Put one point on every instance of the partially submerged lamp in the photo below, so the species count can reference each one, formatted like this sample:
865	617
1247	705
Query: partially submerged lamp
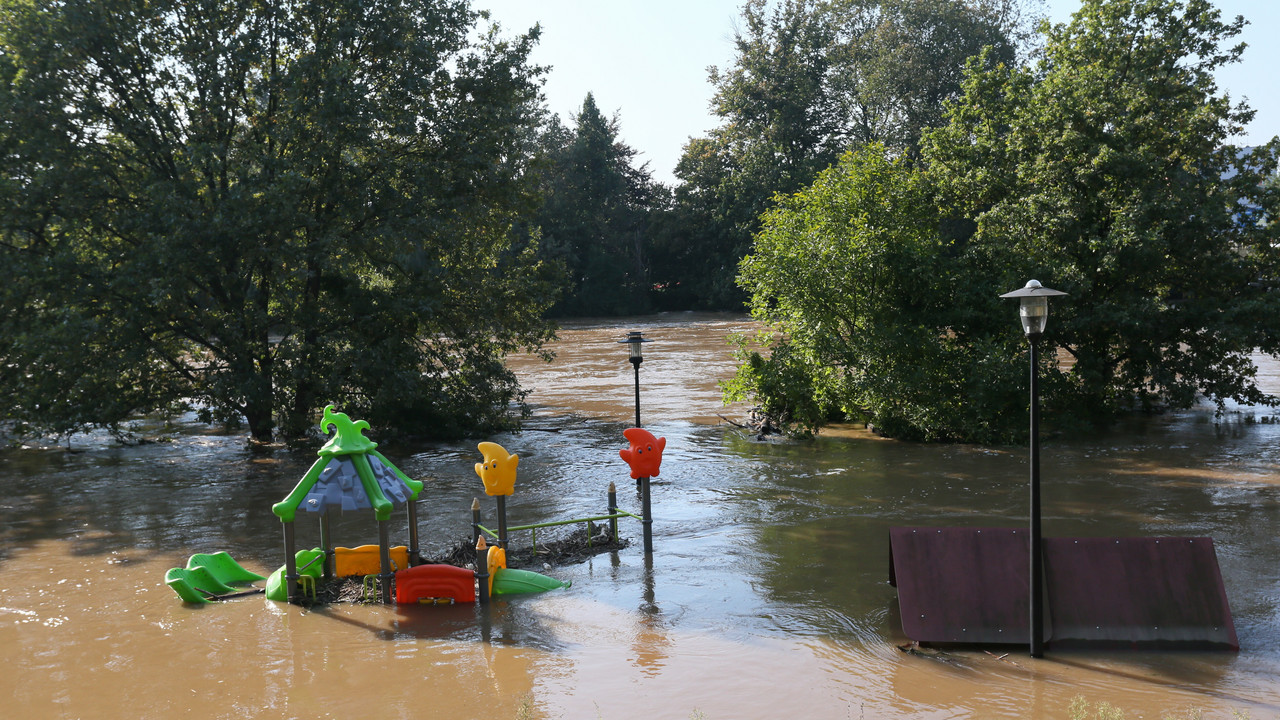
636	355
1033	309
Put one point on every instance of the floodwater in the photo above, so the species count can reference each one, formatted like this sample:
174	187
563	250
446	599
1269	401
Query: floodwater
766	595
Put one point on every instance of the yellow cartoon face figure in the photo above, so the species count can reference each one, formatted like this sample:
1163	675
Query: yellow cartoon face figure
498	471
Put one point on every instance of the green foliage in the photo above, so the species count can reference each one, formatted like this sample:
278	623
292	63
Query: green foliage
258	208
1082	709
810	80
1104	172
596	215
896	62
783	383
526	709
854	274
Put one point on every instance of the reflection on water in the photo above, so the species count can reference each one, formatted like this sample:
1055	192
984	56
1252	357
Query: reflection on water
767	592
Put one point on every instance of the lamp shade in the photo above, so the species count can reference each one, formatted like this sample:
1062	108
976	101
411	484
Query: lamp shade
1033	306
633	341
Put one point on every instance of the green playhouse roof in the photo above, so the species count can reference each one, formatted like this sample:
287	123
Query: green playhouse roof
350	475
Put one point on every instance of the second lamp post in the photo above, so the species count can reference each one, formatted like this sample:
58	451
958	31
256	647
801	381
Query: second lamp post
633	341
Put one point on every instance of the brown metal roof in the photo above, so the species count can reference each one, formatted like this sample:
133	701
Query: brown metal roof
970	585
962	585
1137	591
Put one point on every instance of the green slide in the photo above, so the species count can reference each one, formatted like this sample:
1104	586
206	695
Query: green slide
208	577
522	582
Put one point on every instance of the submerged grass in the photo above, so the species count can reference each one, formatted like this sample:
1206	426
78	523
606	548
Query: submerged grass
1082	709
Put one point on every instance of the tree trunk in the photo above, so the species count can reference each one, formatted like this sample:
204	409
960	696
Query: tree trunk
257	413
306	389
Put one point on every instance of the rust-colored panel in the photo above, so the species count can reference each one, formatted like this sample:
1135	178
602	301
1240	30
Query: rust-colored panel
1144	591
963	585
970	585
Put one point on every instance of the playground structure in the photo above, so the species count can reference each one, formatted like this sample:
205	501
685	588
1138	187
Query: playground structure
351	475
498	471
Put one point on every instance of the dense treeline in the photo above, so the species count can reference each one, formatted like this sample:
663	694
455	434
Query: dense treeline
810	80
597	215
886	168
256	208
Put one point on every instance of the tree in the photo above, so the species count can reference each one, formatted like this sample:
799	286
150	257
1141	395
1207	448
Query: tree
895	63
1105	172
257	207
1107	168
810	80
852	277
595	215
778	130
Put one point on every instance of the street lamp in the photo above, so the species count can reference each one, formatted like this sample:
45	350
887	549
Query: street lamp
1034	311
633	341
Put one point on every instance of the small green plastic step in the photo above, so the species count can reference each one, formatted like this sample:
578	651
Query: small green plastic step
310	562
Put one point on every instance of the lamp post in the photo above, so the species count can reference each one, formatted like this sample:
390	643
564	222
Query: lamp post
1034	311
633	341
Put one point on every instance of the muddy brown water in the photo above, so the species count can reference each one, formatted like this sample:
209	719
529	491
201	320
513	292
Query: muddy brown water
766	596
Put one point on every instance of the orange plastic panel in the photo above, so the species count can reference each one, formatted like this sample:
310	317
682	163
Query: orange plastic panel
364	560
645	454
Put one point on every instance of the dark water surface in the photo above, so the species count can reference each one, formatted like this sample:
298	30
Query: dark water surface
766	595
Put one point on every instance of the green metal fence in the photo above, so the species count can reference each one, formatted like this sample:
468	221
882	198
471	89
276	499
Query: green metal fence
615	514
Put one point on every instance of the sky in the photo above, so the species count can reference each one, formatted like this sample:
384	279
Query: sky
647	60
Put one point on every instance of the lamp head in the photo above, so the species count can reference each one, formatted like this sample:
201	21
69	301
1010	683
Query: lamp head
1033	306
633	341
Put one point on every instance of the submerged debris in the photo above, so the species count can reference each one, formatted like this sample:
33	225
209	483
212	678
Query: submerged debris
578	546
353	589
760	423
582	543
915	648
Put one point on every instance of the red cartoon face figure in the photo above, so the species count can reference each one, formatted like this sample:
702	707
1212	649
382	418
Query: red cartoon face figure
645	454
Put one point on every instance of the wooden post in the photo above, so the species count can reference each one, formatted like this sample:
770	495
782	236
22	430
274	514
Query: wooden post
326	541
613	510
475	520
384	558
